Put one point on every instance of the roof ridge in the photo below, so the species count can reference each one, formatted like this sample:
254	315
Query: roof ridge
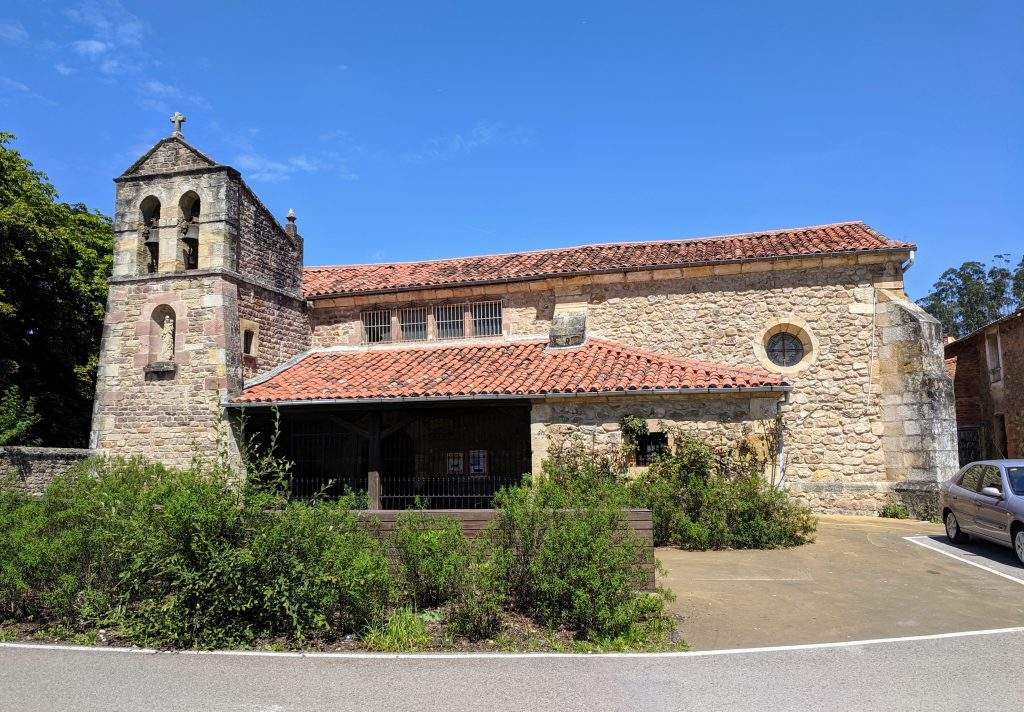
626	243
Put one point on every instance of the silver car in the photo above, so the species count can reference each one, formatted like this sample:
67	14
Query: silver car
986	499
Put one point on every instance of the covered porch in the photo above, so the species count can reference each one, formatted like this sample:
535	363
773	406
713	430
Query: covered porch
437	456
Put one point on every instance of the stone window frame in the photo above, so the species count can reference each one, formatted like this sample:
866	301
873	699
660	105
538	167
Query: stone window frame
795	326
246	325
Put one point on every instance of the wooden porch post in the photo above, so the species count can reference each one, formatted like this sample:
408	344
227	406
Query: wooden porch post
373	455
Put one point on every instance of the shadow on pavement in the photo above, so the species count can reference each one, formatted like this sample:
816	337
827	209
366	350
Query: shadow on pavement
983	550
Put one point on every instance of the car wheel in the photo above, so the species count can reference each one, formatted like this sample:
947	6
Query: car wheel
1018	544
953	531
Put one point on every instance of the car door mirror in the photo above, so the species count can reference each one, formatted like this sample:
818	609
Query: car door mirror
991	492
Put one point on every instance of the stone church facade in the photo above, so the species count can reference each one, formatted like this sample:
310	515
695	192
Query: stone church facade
444	379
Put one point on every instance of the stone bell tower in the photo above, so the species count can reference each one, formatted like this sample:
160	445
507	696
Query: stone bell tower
206	291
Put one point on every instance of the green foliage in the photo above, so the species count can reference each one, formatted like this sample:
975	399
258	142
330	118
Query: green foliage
572	560
703	499
633	427
183	558
431	554
894	510
54	261
477	609
404	632
17	417
967	297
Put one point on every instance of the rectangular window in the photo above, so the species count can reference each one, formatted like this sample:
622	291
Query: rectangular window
450	321
248	342
971	478
486	319
990	477
995	361
413	321
377	326
455	463
478	462
650	447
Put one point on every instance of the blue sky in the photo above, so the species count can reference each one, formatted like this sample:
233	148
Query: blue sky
420	130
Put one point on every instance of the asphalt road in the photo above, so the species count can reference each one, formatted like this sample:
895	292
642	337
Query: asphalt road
965	673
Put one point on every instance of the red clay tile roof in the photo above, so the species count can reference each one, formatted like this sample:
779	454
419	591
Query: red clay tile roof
524	368
615	257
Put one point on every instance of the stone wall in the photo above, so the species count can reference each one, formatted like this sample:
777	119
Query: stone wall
835	449
36	467
594	421
281	324
266	252
166	416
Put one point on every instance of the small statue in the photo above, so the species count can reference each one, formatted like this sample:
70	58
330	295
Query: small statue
167	339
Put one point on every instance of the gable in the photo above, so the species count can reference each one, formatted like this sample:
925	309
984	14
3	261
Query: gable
169	155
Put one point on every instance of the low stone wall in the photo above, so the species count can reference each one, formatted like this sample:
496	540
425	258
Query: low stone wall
36	467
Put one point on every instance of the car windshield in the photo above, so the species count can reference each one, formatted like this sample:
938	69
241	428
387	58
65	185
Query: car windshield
1016	477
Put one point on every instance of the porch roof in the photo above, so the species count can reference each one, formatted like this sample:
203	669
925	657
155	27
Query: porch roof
517	369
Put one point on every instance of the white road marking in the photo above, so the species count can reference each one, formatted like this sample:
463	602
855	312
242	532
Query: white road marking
927	545
509	656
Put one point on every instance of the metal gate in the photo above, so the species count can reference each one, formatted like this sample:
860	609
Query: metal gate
968	441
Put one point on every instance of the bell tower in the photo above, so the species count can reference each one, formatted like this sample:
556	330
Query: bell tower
206	291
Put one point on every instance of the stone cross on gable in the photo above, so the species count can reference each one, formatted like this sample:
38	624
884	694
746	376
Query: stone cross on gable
178	119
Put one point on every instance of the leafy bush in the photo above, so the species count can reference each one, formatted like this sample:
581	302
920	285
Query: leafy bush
703	499
431	556
477	609
405	631
185	558
894	510
573	561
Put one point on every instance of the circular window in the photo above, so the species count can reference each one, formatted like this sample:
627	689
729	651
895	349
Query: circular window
785	350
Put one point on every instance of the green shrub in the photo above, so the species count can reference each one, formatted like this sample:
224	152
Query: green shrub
894	510
185	558
573	561
431	555
703	499
476	611
405	631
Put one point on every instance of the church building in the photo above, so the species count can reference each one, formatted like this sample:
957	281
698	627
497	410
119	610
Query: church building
442	380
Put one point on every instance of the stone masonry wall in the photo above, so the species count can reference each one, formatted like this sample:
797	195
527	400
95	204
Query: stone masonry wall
166	416
835	432
266	252
36	467
595	420
282	327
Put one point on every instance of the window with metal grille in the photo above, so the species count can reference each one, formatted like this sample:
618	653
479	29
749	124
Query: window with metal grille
455	463
486	318
650	446
377	326
478	462
449	320
413	321
785	350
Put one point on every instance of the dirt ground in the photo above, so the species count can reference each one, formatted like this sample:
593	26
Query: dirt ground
860	579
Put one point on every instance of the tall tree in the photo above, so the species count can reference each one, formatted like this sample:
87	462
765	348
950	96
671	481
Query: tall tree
54	262
967	297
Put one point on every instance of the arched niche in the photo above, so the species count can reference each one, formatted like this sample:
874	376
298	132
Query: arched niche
189	210
162	332
149	235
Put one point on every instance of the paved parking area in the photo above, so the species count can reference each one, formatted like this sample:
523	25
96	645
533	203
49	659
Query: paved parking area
862	578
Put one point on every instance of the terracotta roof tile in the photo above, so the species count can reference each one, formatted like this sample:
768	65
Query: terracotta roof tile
495	369
817	240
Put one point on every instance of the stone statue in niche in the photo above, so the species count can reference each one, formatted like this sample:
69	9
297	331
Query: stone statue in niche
167	339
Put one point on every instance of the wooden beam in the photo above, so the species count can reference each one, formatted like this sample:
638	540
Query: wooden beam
350	427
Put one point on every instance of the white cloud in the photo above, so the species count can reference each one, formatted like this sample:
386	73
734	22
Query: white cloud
12	31
110	20
63	69
11	87
90	48
261	168
483	133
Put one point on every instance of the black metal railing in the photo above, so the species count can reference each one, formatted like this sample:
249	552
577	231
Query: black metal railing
443	491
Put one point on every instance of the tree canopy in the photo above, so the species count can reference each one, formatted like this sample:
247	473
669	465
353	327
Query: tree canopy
54	262
967	297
